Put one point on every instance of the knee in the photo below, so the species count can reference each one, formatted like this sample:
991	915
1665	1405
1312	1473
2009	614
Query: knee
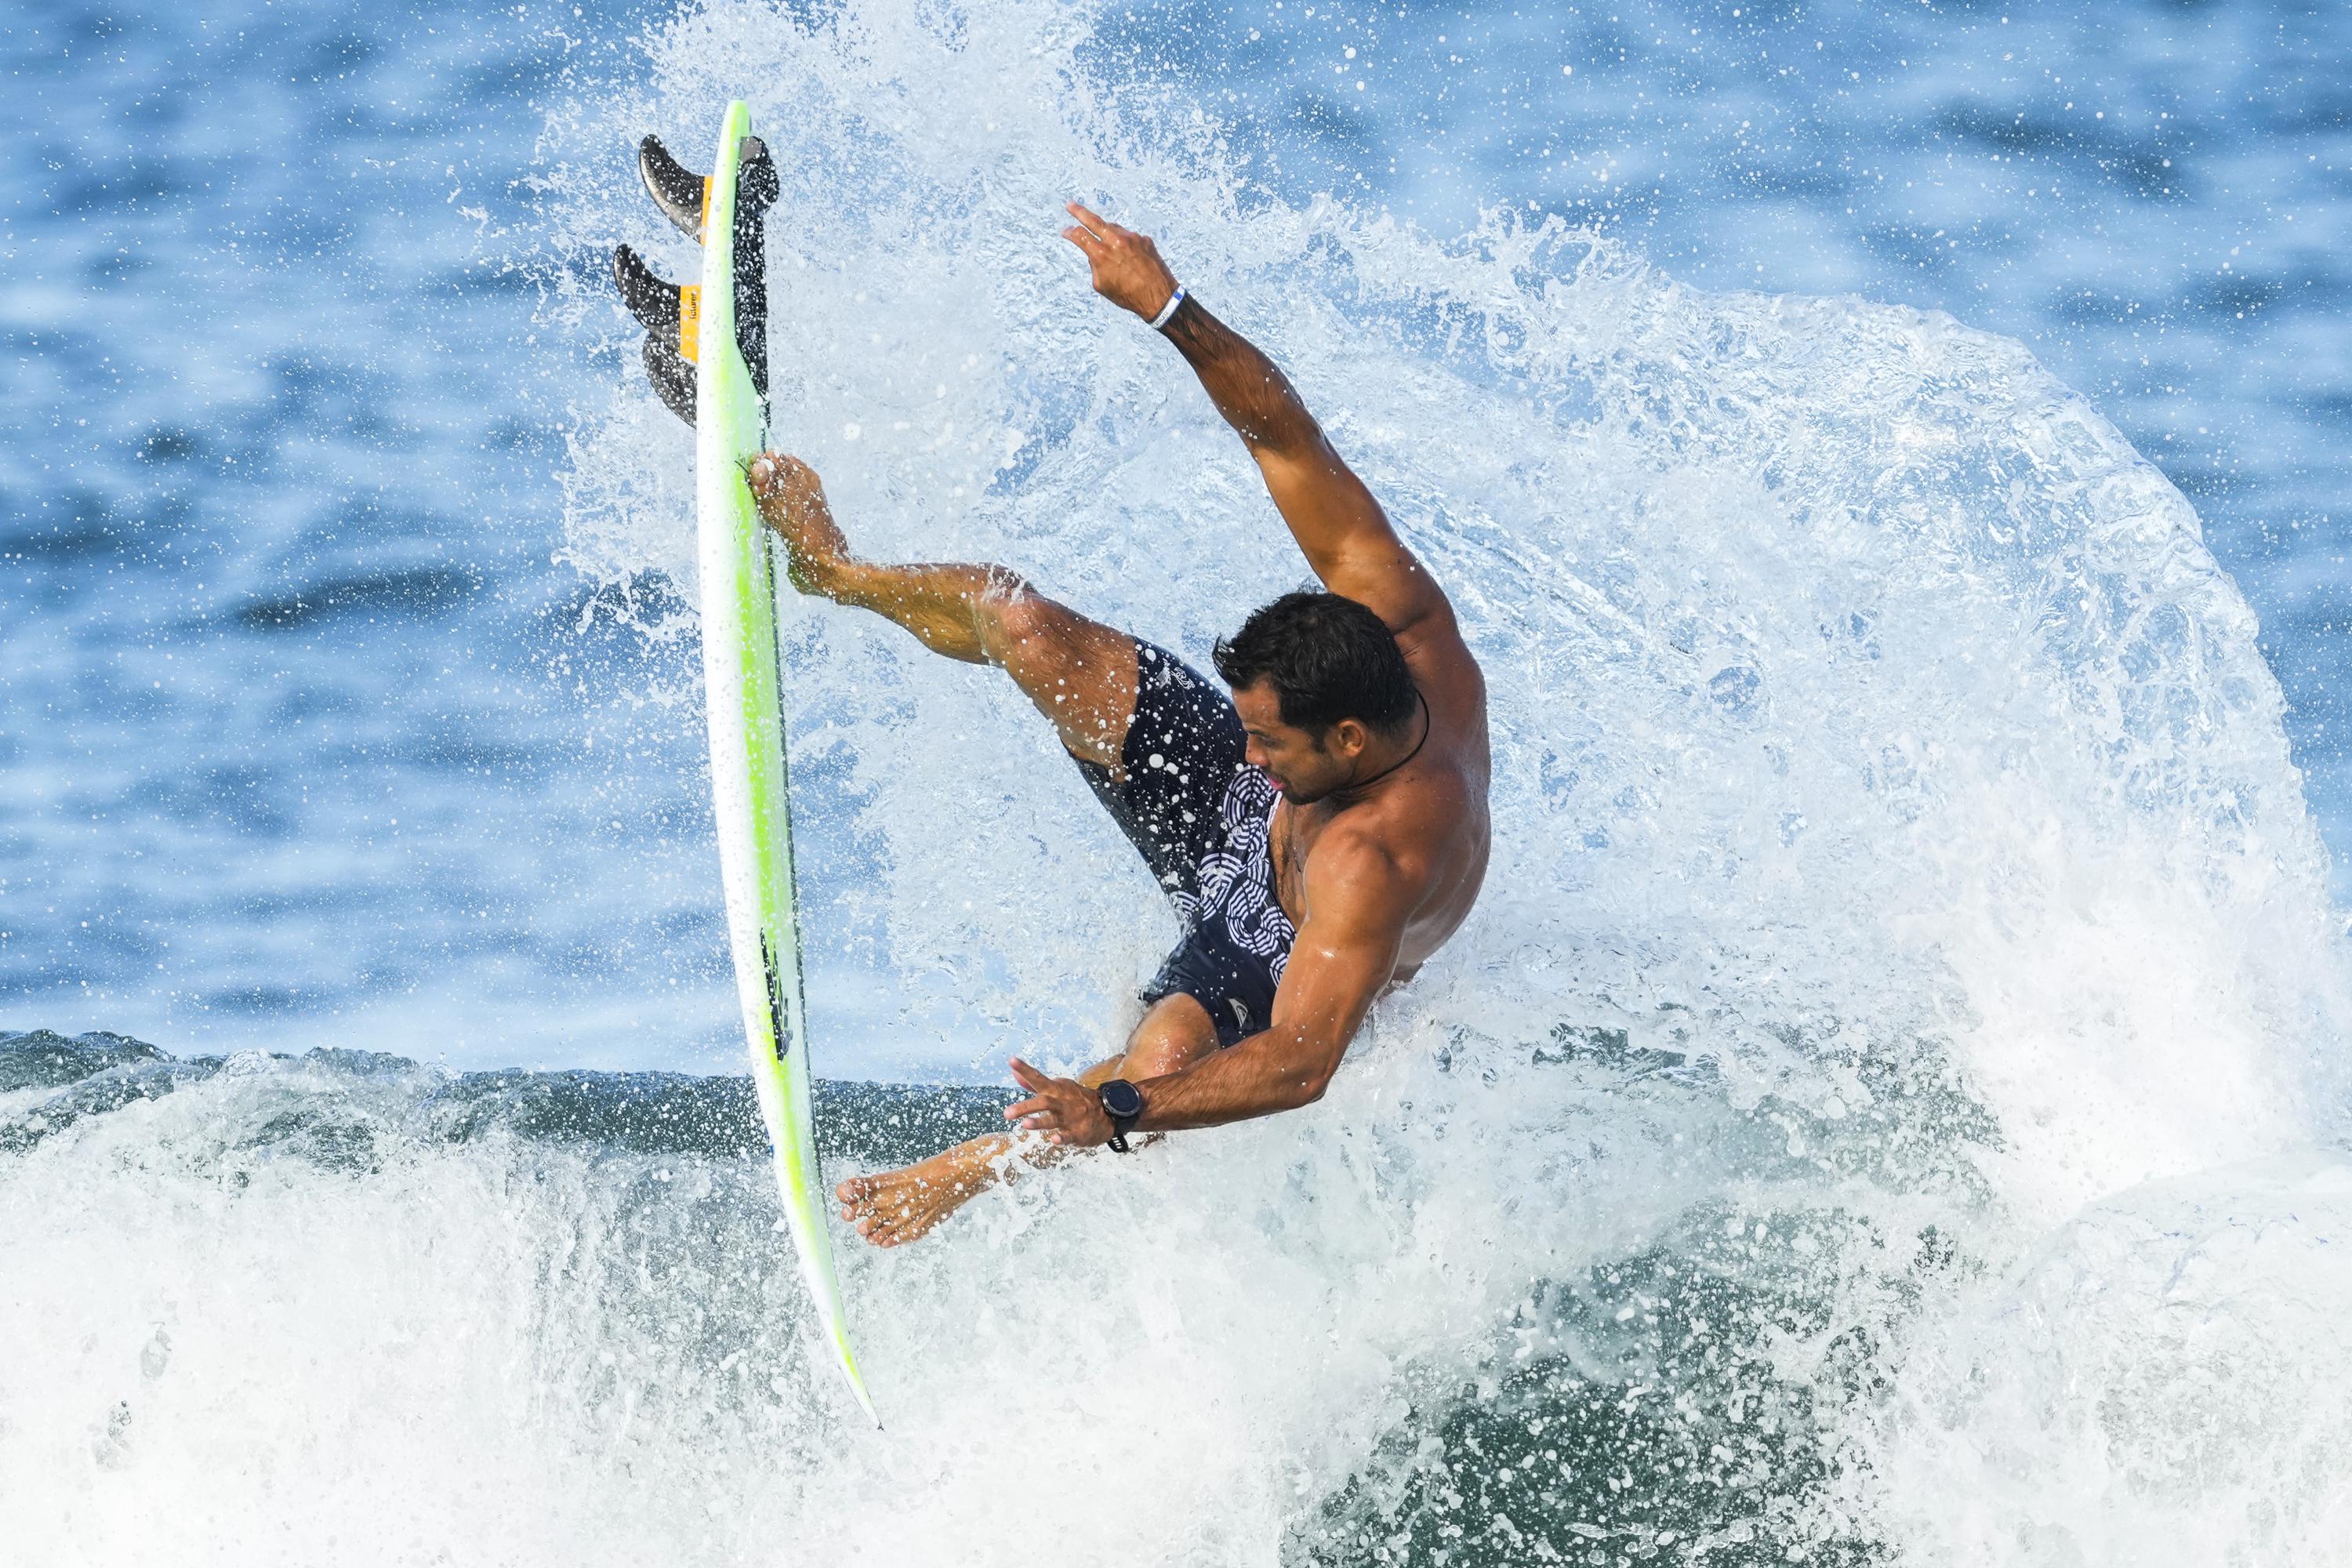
1021	629
1015	611
1154	1059
1174	1033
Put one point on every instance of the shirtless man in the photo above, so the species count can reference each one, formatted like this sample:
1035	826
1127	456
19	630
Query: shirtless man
1321	834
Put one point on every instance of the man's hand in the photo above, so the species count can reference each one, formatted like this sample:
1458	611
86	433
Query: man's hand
1066	1110
1126	266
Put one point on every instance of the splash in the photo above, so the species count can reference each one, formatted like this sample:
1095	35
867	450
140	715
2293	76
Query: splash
1896	843
1851	674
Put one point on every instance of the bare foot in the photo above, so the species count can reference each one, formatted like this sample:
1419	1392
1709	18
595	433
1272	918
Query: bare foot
792	502
898	1206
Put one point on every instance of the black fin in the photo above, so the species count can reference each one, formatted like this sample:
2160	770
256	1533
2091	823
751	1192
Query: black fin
676	189
756	183
655	305
650	300
673	378
756	190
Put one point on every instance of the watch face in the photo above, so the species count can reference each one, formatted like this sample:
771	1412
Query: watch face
1121	1099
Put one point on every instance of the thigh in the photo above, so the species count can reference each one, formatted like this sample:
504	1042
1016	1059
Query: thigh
1183	744
1080	673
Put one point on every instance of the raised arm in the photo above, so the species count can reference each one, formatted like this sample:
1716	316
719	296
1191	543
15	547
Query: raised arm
1340	528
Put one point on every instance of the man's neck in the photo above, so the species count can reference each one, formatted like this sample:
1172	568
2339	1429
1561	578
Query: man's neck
1372	776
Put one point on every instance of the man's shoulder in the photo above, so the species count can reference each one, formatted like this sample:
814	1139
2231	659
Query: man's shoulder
1357	848
1375	852
1440	657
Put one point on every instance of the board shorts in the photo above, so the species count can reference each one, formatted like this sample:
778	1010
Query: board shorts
1200	816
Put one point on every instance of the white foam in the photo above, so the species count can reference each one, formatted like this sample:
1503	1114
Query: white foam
2160	1381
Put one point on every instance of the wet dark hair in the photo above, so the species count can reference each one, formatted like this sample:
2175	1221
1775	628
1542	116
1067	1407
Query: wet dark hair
1327	657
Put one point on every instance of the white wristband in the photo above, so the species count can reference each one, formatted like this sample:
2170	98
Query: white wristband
1168	311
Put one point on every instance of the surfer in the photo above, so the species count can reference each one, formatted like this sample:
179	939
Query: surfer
1321	832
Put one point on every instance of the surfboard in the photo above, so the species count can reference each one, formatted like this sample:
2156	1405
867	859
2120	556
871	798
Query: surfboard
706	352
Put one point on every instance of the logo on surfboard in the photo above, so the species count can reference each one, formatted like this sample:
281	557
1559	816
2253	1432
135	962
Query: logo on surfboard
775	998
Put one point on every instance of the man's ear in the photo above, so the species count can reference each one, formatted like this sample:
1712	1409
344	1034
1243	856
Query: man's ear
1351	738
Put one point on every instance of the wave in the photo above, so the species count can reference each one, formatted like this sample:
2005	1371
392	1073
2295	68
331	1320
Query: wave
49	1082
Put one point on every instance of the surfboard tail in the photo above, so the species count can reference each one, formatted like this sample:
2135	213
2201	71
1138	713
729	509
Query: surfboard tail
670	312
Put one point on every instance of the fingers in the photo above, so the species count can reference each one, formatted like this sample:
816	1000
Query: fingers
1029	1078
1038	1115
770	469
764	473
1097	235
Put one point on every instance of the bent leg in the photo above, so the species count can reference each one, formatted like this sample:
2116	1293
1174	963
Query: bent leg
898	1206
1080	673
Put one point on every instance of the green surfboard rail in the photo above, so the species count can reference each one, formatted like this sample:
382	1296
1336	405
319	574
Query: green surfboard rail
749	781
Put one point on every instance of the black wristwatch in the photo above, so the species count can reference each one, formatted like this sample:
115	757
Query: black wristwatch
1122	1102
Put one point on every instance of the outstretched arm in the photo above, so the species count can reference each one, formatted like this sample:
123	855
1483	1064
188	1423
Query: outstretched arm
1340	528
1345	953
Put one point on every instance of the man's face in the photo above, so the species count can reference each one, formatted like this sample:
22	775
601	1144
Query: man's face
1304	766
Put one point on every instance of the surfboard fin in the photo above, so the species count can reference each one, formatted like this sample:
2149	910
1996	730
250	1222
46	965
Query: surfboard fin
667	310
678	190
673	378
655	302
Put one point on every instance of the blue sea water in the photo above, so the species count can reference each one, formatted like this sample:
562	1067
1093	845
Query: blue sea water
1889	1106
308	727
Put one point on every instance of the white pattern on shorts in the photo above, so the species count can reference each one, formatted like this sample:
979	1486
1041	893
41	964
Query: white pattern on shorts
1238	880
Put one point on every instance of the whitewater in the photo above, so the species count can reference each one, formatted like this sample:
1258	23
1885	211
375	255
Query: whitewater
1888	1106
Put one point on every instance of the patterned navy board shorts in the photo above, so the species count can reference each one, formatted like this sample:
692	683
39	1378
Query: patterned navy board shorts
1199	815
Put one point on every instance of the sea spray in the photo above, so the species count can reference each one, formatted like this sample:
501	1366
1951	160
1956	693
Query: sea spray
1896	843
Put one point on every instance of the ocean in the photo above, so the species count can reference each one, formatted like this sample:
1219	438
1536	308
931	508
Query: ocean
1889	1107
